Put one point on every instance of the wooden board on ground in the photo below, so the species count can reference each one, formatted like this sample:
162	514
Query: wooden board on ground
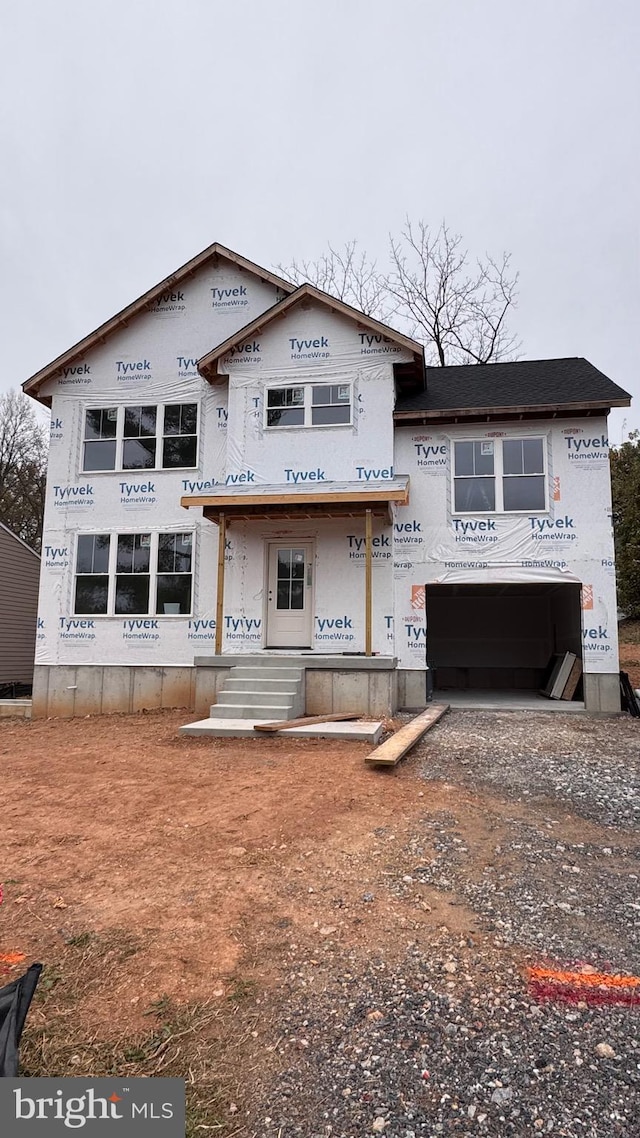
305	721
572	682
390	753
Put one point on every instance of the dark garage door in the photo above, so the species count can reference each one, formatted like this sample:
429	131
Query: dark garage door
499	636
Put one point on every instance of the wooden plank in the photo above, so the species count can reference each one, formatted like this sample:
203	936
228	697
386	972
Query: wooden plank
562	676
222	534
390	753
367	581
362	497
572	682
305	721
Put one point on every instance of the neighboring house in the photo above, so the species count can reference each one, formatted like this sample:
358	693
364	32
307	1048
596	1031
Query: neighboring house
241	468
19	575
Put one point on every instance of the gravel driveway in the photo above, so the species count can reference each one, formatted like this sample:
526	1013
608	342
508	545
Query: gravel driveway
443	1035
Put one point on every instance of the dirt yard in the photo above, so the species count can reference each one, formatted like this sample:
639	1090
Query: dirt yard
179	890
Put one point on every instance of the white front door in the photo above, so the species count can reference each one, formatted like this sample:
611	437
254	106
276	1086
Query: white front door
290	595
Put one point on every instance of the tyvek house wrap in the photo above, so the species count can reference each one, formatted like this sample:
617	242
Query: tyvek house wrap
313	345
153	361
572	541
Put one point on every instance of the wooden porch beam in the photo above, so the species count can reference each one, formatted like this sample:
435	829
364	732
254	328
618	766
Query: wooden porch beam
222	533
367	582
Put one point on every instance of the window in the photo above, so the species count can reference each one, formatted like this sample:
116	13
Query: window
92	573
475	489
331	404
499	476
100	439
134	574
523	474
285	407
174	573
139	444
311	405
141	438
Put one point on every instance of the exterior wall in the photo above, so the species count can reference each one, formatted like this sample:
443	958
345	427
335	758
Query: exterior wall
19	572
166	342
571	541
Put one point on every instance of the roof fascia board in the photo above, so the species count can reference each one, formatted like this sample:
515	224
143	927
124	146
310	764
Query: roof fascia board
207	366
99	335
501	412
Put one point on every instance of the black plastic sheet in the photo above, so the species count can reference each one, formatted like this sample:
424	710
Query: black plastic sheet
15	999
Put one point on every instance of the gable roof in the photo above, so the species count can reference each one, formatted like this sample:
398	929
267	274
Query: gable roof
518	387
19	540
207	366
32	386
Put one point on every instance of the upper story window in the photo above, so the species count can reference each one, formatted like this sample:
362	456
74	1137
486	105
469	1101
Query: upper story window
309	405
499	476
148	437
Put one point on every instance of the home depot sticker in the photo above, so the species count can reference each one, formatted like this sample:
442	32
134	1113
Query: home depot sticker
587	596
418	597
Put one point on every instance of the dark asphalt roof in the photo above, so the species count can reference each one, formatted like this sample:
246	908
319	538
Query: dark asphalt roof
522	383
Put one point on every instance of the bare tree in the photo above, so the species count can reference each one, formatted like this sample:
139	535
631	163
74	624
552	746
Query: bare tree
347	274
430	291
23	468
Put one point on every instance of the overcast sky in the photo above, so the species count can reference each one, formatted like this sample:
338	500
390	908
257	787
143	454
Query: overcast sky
136	132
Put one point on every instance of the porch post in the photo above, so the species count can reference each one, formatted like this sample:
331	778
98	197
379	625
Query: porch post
222	533
367	583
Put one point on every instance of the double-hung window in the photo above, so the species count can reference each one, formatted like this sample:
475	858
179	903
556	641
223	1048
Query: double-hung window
144	437
133	574
499	476
309	405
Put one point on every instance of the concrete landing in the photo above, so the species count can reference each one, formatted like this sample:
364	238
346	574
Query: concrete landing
243	729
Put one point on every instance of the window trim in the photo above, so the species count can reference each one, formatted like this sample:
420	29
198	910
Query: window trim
499	475
307	385
139	471
112	574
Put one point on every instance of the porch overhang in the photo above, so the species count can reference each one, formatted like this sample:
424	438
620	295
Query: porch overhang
275	502
299	502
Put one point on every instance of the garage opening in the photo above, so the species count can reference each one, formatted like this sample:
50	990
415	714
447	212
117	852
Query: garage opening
500	637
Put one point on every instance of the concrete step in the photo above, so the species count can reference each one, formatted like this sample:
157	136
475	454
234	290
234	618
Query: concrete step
249	671
267	698
259	683
243	728
270	713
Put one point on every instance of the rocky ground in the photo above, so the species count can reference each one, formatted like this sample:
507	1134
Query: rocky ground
443	1036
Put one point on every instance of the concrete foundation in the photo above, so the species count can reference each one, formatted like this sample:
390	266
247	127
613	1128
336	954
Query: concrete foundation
602	693
85	689
371	686
366	685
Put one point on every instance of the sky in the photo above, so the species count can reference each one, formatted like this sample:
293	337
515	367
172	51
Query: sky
135	133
